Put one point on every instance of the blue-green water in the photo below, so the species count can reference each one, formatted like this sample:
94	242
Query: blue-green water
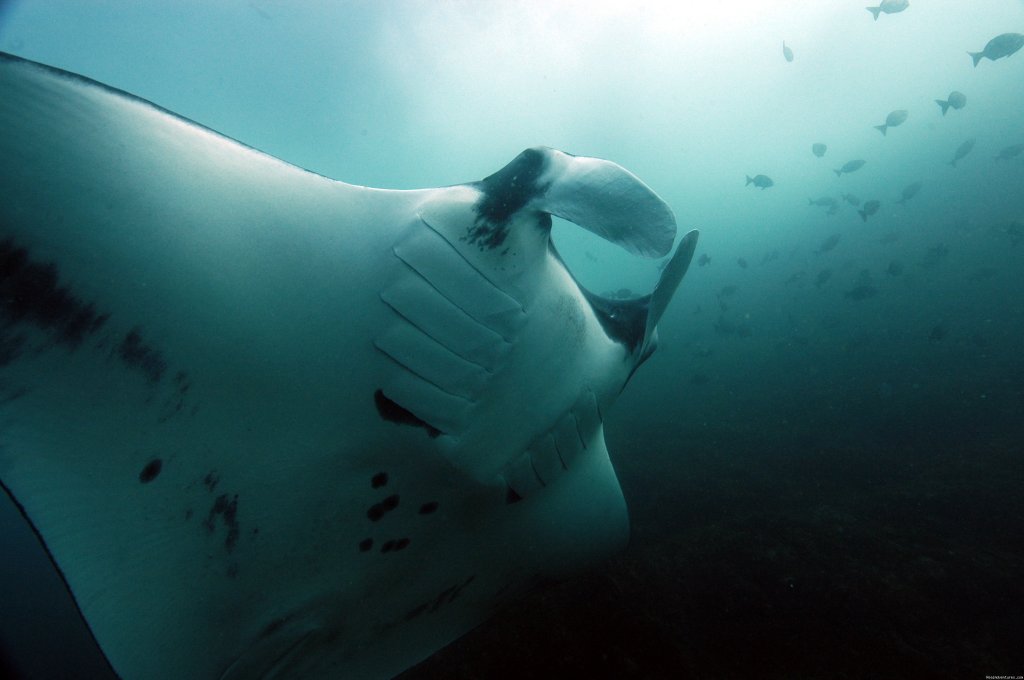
823	461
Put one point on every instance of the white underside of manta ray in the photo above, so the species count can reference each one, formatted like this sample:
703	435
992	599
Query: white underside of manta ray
268	424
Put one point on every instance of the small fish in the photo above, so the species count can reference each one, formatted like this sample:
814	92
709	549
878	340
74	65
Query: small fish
955	100
742	263
818	149
1010	152
727	290
938	333
889	7
998	47
894	119
851	199
962	151
870	208
762	181
848	167
823	276
768	257
861	292
938	250
894	268
823	202
786	52
909	192
703	259
828	244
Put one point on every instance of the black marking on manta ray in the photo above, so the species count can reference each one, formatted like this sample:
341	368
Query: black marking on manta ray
378	510
365	545
272	628
227	508
505	193
151	471
446	596
137	354
31	293
511	496
380	479
393	412
428	508
211	480
173	405
394	545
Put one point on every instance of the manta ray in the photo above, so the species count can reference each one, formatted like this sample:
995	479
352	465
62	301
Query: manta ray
269	424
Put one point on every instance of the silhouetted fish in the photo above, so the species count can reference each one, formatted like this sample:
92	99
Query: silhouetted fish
956	100
1009	152
894	268
703	259
938	333
909	192
849	166
998	47
823	276
829	243
861	292
889	7
962	151
825	202
851	199
762	181
894	119
818	149
870	208
786	52
741	262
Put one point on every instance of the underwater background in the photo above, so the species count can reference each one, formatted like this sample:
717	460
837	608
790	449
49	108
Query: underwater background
824	461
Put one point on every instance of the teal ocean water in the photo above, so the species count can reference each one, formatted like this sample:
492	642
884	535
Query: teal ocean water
823	461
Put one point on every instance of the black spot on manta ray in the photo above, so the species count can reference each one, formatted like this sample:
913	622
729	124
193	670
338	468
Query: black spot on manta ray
151	470
365	544
380	479
210	480
378	510
428	508
31	293
271	628
227	508
505	193
395	545
393	412
511	496
446	596
136	354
